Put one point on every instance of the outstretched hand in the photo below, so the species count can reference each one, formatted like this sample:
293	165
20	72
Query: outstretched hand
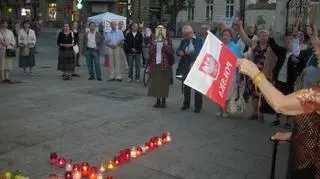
247	67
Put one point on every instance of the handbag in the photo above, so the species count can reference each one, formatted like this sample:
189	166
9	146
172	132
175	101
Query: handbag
237	104
75	47
9	52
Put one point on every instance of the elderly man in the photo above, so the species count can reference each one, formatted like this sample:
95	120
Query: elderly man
114	40
204	31
188	51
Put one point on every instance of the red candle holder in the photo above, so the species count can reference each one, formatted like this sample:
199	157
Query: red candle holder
109	177
85	169
127	154
166	138
159	142
61	162
68	175
93	173
76	167
151	144
53	158
116	160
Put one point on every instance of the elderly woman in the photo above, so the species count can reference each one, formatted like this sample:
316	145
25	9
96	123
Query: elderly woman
160	52
66	59
304	159
7	51
27	41
263	56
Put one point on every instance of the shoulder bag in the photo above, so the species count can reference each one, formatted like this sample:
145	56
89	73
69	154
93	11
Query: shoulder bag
75	47
9	52
237	104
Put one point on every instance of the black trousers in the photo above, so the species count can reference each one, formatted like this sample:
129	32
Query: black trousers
187	96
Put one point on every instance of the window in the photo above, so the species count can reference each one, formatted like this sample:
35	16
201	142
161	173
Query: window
229	8
209	9
191	10
52	8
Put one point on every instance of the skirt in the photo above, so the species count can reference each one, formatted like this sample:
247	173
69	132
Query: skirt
27	61
5	62
159	83
285	88
66	60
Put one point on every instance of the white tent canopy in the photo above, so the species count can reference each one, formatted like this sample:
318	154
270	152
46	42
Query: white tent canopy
106	18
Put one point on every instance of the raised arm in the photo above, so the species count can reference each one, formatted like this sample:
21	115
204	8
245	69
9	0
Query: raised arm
275	47
300	102
243	36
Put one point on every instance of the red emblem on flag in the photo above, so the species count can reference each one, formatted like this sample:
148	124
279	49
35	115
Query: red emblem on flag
210	66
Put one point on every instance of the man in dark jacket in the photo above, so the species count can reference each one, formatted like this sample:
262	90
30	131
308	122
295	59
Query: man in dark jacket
188	50
134	40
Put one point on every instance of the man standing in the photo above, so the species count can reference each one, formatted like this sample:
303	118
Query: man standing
188	51
114	41
92	42
134	42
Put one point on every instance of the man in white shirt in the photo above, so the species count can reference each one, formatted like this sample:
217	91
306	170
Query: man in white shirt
92	43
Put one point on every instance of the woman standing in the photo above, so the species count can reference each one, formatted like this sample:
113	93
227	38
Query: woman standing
66	59
7	51
160	51
27	41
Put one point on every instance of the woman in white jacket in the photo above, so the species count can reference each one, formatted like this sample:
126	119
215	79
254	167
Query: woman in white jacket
7	45
27	41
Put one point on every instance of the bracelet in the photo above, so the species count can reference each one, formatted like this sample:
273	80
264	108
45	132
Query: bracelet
258	78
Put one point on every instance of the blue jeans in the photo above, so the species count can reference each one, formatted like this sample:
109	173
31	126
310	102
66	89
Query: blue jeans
312	76
93	61
134	59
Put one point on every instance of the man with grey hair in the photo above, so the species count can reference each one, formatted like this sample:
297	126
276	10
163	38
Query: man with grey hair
188	51
114	40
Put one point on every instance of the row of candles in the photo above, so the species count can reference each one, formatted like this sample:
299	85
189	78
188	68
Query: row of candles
77	171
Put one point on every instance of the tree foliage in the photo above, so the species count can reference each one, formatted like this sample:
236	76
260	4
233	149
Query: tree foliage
169	5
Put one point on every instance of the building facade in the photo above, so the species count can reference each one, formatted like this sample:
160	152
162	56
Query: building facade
14	9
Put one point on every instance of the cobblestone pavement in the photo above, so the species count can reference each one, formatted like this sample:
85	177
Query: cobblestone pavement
91	121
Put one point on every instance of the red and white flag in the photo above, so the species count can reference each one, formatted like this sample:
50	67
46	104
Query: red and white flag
213	70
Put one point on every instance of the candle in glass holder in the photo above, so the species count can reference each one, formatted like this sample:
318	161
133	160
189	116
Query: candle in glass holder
102	168
139	151
68	167
76	167
61	162
127	154
133	152
68	175
76	175
93	173
145	147
85	169
116	161
159	142
166	138
53	158
109	177
110	165
100	176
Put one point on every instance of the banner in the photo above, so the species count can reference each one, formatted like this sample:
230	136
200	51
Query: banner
213	70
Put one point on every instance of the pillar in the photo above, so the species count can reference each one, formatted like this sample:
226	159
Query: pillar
280	18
